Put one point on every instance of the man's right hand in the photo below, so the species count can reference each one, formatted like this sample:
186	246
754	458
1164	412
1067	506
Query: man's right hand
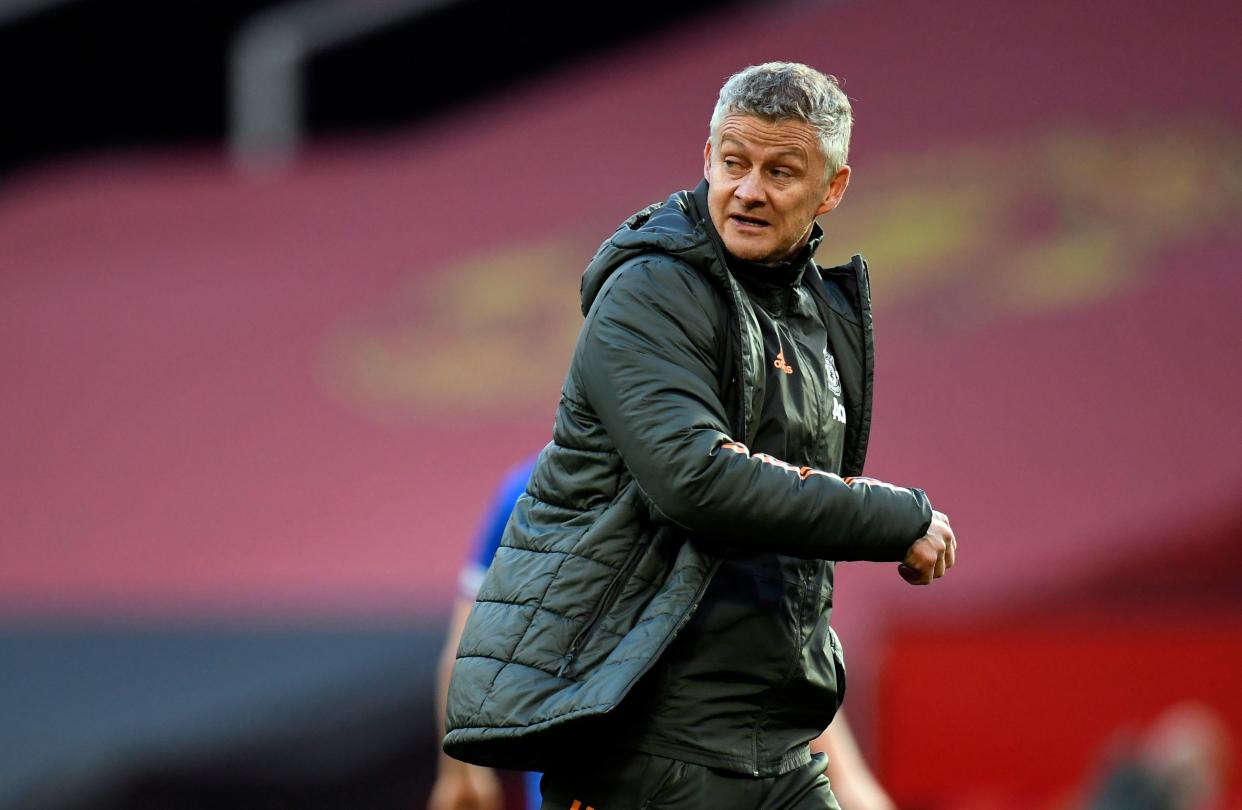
932	554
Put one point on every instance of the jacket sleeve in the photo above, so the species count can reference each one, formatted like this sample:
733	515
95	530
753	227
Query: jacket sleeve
646	365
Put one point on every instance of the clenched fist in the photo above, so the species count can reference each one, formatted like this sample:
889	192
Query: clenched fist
932	554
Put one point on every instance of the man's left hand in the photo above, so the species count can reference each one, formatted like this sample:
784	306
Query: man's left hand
932	554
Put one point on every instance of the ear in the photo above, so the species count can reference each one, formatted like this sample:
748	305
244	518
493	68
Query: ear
835	191
707	160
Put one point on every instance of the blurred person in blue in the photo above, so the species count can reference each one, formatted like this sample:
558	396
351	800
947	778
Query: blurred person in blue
655	629
462	786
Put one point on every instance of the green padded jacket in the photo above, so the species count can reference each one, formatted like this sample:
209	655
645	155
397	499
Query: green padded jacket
647	482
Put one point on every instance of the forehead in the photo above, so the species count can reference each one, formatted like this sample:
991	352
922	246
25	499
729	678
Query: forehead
759	134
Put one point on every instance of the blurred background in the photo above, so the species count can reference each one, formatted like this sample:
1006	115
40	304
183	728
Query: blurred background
286	287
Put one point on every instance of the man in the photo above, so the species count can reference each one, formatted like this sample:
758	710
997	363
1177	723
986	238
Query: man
654	631
462	786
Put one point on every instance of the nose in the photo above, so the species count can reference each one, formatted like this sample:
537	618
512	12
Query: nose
749	190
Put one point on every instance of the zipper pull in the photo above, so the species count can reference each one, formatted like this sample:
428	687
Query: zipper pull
569	659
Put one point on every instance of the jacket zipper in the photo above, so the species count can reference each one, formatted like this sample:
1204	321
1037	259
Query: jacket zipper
685	616
754	751
601	607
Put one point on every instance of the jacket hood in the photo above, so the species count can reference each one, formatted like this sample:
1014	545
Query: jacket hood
676	227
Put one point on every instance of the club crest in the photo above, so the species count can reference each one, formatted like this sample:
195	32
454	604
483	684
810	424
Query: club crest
834	379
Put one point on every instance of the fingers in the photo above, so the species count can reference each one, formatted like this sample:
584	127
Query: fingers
924	561
941	528
911	575
931	555
950	539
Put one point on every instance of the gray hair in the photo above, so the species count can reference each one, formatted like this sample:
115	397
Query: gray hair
781	91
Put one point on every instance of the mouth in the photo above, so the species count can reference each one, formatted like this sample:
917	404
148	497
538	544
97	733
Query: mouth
748	223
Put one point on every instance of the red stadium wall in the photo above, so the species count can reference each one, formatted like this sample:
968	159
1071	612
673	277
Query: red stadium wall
1026	711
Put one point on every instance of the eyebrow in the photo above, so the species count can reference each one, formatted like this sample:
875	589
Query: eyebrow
790	152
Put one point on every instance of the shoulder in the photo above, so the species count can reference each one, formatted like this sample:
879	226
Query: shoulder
661	281
656	299
655	304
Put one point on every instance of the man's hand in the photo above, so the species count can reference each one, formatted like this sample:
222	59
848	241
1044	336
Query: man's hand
852	781
460	786
861	795
932	554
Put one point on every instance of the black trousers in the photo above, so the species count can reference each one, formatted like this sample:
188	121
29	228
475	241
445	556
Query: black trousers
633	781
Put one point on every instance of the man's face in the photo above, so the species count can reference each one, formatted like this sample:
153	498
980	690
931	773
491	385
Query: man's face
767	185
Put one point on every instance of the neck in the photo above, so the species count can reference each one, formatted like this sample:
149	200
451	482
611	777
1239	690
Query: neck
796	249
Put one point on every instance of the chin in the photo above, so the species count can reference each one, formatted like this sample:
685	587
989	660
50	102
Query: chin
749	252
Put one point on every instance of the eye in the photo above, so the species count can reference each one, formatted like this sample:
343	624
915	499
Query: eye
781	174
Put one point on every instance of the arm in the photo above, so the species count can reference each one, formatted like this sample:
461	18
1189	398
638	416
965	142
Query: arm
853	783
646	365
459	785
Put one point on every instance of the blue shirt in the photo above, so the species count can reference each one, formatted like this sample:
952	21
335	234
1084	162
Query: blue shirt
493	527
